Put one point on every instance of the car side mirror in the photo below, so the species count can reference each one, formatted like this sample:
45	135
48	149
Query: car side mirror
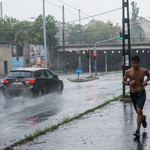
56	76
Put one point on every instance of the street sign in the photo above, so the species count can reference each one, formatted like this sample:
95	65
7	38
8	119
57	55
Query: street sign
95	67
78	70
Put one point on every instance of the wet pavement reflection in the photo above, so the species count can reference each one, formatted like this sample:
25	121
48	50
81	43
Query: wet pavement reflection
109	128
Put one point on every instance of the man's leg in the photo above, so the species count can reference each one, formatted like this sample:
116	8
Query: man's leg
140	118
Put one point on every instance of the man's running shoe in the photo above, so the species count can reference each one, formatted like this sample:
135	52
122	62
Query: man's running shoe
137	133
144	123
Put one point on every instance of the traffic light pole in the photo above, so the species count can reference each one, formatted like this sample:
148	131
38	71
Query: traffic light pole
63	36
89	62
126	39
95	49
106	63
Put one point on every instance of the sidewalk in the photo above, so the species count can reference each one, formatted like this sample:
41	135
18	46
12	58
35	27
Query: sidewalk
108	128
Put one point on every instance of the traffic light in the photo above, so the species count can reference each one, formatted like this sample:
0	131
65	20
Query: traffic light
121	35
87	53
95	55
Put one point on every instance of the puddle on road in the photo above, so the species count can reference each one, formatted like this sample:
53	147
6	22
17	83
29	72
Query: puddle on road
35	119
31	111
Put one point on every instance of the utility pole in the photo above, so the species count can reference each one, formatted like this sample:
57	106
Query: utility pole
79	20
79	40
126	37
63	37
89	62
96	57
44	29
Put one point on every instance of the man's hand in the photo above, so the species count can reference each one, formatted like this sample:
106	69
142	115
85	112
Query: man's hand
132	82
145	83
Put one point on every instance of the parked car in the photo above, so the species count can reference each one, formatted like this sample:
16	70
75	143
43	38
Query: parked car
31	82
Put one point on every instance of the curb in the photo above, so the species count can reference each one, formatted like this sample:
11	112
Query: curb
126	98
82	80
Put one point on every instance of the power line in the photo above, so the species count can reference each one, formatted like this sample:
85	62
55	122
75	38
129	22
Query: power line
53	4
98	14
86	14
60	7
67	5
65	9
72	7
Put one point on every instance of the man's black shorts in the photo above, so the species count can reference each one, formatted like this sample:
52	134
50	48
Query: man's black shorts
138	99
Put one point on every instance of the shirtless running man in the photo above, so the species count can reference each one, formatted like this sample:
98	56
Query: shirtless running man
136	82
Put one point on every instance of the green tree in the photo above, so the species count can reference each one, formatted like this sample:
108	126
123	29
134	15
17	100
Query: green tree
137	32
93	33
7	30
12	29
74	34
21	36
102	31
35	31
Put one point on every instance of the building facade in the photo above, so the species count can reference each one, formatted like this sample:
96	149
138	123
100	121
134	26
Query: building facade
5	58
145	24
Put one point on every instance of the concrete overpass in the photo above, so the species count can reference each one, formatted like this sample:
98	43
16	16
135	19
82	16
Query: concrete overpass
112	50
104	46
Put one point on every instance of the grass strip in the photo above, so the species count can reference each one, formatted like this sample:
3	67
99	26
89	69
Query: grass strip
83	79
65	120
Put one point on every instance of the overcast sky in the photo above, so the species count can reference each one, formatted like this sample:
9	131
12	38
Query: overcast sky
25	9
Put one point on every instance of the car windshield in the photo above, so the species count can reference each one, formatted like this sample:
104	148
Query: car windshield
20	74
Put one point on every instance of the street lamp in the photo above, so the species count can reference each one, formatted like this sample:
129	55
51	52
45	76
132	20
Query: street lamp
44	30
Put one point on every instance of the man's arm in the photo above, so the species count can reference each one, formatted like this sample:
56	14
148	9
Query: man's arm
125	82
148	77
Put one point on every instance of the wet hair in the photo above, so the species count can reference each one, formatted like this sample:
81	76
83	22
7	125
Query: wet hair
135	58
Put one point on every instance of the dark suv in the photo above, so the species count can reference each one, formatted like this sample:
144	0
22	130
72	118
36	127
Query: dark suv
31	82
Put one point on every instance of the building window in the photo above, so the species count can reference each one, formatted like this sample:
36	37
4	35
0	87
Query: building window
137	51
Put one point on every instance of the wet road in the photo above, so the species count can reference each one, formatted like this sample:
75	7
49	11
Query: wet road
108	128
23	116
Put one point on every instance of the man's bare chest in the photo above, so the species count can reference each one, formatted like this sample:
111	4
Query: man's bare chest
136	75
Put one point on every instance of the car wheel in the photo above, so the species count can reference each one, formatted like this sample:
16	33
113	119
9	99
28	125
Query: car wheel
39	94
60	89
36	94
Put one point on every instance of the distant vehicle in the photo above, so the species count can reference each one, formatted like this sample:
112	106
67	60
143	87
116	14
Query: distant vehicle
31	82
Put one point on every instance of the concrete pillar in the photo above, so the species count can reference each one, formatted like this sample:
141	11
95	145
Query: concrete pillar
26	55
